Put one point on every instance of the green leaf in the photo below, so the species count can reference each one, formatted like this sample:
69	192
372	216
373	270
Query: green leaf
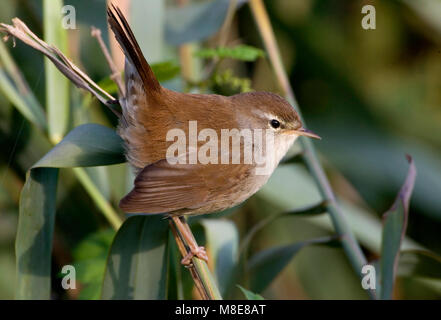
394	229
385	176
121	179
240	52
195	21
94	245
138	260
91	271
90	262
184	280
33	245
57	86
164	71
108	85
250	295
91	291
87	145
416	264
90	274
264	267
179	287
294	179
317	209
167	70
222	246
227	78
17	91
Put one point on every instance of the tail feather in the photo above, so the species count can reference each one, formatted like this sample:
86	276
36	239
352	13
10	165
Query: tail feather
132	51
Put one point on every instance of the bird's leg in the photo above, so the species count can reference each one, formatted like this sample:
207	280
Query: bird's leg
184	251
187	235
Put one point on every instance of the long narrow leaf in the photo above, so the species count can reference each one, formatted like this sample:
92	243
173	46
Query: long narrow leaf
33	245
317	209
25	102
20	31
395	224
250	295
15	88
222	246
264	267
349	242
86	145
196	21
90	262
138	260
295	179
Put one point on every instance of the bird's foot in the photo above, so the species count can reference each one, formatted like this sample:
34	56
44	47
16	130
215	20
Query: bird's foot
198	252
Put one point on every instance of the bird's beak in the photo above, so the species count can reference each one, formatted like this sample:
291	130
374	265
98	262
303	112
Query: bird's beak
303	132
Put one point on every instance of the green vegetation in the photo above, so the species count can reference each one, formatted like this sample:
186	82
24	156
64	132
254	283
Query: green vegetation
372	95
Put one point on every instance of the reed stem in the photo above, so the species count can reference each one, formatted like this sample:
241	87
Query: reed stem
349	243
101	202
202	278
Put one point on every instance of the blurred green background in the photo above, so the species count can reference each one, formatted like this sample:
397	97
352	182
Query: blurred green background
373	95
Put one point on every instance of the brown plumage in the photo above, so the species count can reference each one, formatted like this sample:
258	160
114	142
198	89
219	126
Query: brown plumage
150	111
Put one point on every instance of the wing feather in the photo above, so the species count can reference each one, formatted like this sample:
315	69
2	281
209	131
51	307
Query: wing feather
162	187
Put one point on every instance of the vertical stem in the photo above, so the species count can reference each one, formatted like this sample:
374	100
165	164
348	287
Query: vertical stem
186	54
115	75
206	278
117	54
183	250
203	280
223	36
98	198
350	244
57	86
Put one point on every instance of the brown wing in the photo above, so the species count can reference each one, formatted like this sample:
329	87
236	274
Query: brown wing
165	188
162	187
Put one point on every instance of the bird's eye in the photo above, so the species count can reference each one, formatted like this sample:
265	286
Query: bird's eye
275	123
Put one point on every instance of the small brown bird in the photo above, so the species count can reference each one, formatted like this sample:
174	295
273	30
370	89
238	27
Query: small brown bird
151	112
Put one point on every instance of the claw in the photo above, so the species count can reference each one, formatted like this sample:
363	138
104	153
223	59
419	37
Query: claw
195	252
